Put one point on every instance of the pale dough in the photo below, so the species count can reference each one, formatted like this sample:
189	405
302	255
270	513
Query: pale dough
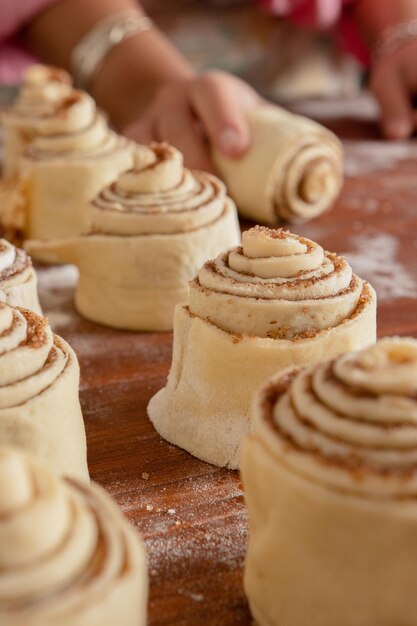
330	483
293	169
68	556
42	93
59	153
151	231
239	328
39	405
18	281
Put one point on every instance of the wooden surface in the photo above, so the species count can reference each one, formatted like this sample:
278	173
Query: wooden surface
190	514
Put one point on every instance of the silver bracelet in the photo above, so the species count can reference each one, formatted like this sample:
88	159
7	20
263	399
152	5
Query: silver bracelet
92	49
393	37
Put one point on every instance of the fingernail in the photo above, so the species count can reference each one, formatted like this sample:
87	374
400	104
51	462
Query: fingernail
231	141
398	129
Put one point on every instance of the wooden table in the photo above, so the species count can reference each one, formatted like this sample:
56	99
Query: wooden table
190	514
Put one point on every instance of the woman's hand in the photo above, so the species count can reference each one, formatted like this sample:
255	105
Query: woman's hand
147	87
394	67
394	83
192	113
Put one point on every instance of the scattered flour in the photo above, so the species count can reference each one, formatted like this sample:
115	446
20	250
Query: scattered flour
369	205
365	157
219	543
54	280
58	319
197	597
56	288
196	526
376	261
359	108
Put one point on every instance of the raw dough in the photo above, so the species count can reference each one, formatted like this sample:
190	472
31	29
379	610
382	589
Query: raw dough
278	301
39	406
59	153
292	171
152	230
68	557
18	281
331	484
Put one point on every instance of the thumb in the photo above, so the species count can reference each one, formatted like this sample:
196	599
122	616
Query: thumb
220	103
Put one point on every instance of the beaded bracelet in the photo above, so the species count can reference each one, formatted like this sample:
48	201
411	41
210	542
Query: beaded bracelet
108	33
393	37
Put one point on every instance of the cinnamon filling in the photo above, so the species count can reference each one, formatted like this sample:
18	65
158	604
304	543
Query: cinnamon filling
356	465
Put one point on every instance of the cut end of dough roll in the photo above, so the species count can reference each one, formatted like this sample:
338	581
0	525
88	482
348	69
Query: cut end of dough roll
269	253
330	478
67	555
278	300
388	367
156	168
276	285
37	75
18	281
158	196
59	152
292	171
39	404
350	417
152	228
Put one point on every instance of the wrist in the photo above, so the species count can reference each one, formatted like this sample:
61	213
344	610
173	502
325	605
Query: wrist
132	73
395	38
375	19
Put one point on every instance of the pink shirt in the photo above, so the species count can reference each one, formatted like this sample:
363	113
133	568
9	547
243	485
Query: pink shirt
324	14
14	15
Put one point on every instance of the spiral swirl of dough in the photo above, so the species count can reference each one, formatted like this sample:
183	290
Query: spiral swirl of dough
42	93
18	281
159	196
309	179
15	264
47	534
63	121
276	285
31	357
63	545
293	169
352	422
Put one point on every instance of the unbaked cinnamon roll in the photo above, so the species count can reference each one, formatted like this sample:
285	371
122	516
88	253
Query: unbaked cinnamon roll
292	171
152	230
60	152
279	300
42	93
68	557
18	282
330	482
39	406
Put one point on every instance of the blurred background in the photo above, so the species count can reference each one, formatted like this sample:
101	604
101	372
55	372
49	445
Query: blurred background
283	61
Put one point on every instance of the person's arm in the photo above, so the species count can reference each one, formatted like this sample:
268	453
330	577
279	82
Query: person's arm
145	84
394	71
129	73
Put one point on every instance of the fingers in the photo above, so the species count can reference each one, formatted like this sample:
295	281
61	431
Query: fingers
188	112
142	131
220	101
179	128
397	117
175	124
